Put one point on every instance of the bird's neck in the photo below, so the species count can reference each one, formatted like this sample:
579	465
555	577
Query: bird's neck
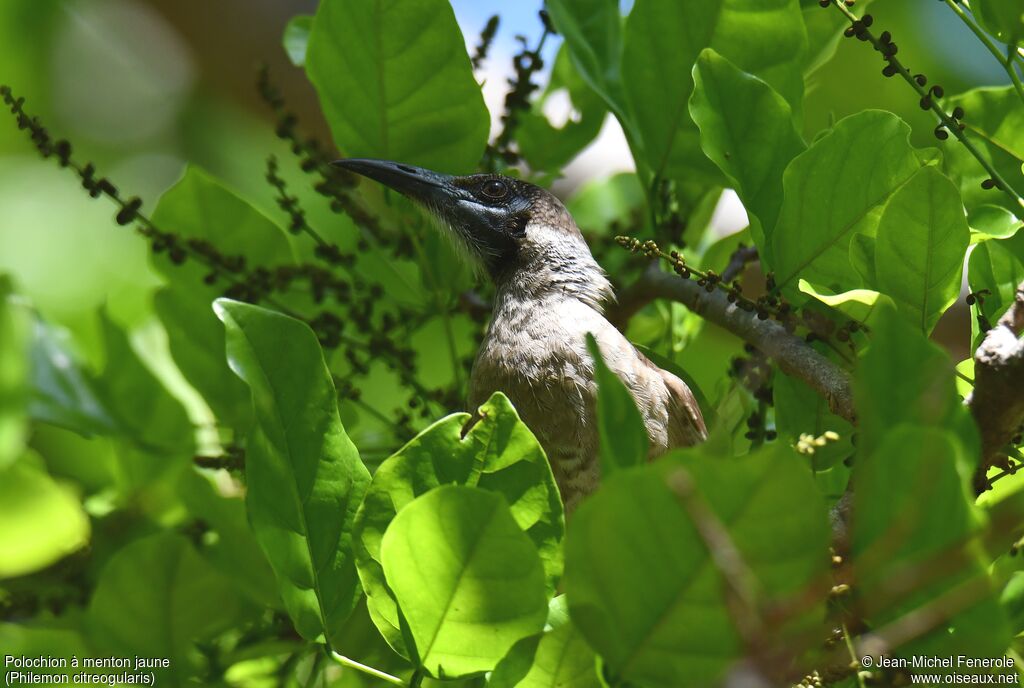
555	264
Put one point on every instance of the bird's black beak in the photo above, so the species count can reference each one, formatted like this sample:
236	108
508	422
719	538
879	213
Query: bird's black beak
426	186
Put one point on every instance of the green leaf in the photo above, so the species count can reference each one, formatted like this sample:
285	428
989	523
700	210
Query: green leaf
395	82
638	533
304	476
296	38
547	147
996	266
835	190
41	521
14	375
156	598
920	246
824	30
138	400
1012	601
498	453
598	204
747	129
233	550
593	35
994	121
912	542
468	580
902	378
63	392
557	658
664	37
992	222
199	208
703	402
623	435
862	305
1004	19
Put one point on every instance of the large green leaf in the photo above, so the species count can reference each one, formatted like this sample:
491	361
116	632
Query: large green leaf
547	147
661	42
920	246
835	190
14	375
199	207
994	121
623	435
557	658
912	543
593	35
1002	18
395	82
640	579
156	598
303	474
138	400
746	128
41	521
468	580
902	378
498	453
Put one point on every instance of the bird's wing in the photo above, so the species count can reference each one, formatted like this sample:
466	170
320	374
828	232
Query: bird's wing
686	423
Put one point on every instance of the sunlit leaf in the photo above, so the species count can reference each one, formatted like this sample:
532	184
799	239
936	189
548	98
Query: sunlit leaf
834	191
467	579
623	435
858	304
996	268
920	246
41	521
994	122
303	474
747	129
664	37
681	625
395	82
498	453
557	658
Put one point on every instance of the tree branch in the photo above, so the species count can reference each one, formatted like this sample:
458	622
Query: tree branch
997	402
793	355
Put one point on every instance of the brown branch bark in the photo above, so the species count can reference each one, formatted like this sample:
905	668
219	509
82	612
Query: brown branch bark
997	402
792	354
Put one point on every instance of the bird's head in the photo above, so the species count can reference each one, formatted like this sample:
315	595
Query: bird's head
507	225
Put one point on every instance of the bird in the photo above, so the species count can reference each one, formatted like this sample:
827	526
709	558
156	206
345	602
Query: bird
550	294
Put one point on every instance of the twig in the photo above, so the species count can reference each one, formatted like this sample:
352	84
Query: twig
792	354
928	97
368	670
738	261
1005	61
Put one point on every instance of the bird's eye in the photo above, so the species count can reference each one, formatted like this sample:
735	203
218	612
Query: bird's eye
495	189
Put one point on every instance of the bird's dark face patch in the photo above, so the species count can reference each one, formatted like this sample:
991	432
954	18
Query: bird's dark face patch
488	213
